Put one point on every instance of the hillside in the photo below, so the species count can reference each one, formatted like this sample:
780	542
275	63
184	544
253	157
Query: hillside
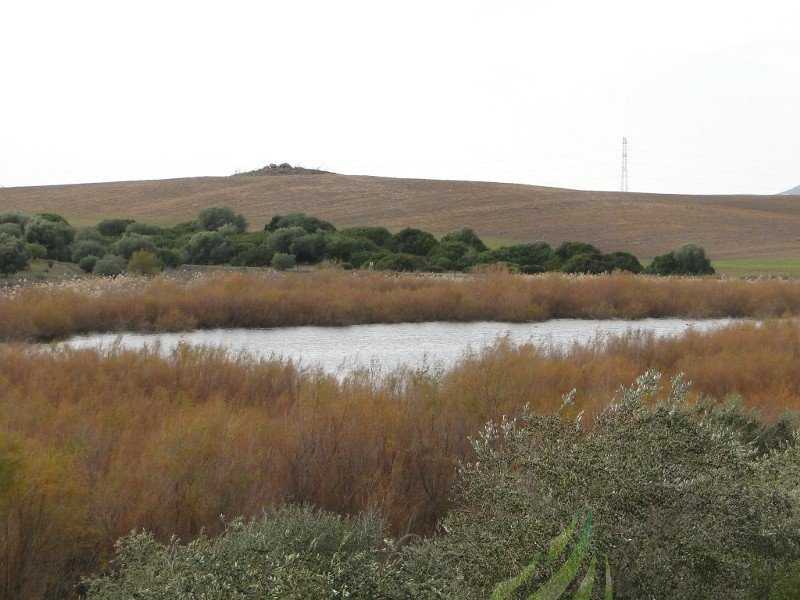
645	224
795	191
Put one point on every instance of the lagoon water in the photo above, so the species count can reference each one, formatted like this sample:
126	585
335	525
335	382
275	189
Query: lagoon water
385	347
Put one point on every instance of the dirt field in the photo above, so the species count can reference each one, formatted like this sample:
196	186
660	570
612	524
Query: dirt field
645	224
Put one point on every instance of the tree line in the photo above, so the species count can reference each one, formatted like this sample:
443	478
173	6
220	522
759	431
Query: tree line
220	236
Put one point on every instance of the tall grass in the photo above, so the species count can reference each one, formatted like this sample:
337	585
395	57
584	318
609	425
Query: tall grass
332	297
93	445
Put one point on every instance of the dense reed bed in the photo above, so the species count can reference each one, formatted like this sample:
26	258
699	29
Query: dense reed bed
335	297
93	445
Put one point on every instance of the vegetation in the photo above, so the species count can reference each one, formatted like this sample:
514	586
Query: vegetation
690	500
219	236
14	254
337	297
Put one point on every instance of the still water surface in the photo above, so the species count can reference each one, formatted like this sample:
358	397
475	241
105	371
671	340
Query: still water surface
340	349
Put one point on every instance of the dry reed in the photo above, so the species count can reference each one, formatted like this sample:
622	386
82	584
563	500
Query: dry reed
334	297
93	445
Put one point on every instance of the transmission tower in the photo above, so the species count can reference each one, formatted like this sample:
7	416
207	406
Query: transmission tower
623	184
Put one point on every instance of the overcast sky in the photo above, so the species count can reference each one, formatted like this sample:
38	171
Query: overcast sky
539	92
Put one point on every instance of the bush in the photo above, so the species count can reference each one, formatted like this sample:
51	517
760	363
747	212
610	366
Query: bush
281	239
309	224
689	259
401	262
209	248
379	236
12	217
171	257
14	254
684	500
254	256
56	236
87	263
343	248
144	229
87	248
113	227
12	229
85	234
468	236
412	241
591	263
534	256
143	262
624	261
282	261
363	258
453	252
110	265
132	242
310	248
295	552
37	251
211	219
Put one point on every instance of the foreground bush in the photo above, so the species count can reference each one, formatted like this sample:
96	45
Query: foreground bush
690	501
294	552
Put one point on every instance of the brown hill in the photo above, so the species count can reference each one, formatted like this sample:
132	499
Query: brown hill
645	224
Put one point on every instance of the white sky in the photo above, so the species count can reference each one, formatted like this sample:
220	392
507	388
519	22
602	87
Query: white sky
528	91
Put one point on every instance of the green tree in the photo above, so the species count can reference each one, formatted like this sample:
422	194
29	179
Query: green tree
209	248
132	242
87	248
412	241
113	227
309	248
54	235
283	261
379	236
310	224
14	254
211	219
468	236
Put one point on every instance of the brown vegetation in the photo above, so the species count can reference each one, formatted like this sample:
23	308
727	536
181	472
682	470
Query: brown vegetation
93	445
335	297
644	224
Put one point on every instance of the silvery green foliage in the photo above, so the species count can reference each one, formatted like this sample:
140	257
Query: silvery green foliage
688	503
295	552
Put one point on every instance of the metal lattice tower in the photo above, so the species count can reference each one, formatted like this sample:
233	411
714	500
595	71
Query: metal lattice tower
623	184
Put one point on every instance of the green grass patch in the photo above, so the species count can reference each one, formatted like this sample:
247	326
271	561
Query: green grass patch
779	265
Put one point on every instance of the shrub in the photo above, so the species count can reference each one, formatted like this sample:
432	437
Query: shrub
132	242
533	256
37	250
343	248
209	248
684	502
283	261
87	248
453	251
87	263
84	234
254	256
689	259
309	224
401	262
363	258
379	236
468	236
144	262
14	254
281	239
12	217
592	263
294	552
412	241
171	257
624	261
56	236
12	229
211	219
113	227
309	248
144	229
110	265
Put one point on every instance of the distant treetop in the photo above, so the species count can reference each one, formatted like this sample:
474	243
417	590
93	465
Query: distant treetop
284	169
